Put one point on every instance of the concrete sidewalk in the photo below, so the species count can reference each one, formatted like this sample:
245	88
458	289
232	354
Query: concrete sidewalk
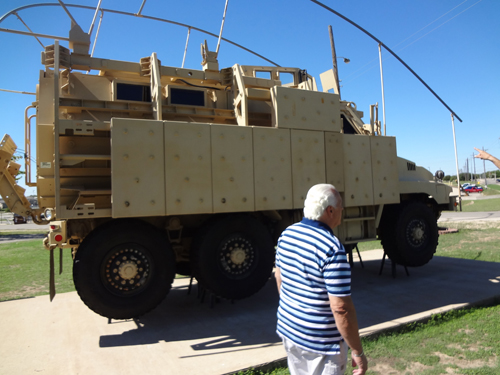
185	336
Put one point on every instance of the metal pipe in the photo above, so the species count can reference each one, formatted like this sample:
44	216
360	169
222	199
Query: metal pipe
67	12
19	92
334	60
382	82
24	23
221	28
95	17
390	51
34	34
186	48
97	33
140	10
27	146
57	159
126	14
456	161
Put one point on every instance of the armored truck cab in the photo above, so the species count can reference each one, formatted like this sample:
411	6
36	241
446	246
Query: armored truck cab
145	171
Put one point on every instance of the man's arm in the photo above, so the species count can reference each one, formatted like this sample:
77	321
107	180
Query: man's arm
485	156
277	276
347	324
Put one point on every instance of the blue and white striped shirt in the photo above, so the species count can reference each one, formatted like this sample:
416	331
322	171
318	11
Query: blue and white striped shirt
313	264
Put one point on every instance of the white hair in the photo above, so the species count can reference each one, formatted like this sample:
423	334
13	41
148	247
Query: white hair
318	198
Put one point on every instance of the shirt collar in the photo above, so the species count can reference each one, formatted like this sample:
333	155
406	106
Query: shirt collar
317	224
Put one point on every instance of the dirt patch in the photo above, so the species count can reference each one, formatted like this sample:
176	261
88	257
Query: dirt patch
386	368
464	363
26	291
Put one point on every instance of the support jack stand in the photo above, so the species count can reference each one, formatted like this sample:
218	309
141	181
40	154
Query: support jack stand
393	267
349	255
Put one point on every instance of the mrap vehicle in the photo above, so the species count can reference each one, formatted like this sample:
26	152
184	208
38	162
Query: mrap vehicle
145	171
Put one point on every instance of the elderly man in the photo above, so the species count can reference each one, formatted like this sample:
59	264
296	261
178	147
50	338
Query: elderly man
316	316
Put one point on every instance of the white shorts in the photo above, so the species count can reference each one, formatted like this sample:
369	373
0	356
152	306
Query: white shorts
303	362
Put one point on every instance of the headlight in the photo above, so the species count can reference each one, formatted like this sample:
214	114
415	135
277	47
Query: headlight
49	214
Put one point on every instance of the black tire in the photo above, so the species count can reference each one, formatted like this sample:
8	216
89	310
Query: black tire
124	269
409	234
233	257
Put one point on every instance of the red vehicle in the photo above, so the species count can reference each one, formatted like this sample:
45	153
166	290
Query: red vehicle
473	189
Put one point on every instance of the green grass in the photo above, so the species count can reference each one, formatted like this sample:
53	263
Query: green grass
492	190
481	205
28	231
463	341
475	240
24	266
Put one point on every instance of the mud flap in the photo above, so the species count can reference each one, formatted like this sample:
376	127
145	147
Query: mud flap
52	281
52	284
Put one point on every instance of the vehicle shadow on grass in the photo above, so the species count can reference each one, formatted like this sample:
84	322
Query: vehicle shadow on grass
251	322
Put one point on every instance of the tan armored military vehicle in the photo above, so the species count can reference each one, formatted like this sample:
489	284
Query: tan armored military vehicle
145	171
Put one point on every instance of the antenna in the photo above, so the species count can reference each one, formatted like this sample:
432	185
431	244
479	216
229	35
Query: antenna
221	28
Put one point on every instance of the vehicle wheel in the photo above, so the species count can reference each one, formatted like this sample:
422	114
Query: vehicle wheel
233	257
410	234
124	269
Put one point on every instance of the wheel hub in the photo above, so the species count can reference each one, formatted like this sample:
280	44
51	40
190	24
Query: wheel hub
416	233
126	270
238	256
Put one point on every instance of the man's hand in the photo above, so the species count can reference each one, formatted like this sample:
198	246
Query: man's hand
361	363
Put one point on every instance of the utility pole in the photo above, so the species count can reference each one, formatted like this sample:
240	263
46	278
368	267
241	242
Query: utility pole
474	163
484	167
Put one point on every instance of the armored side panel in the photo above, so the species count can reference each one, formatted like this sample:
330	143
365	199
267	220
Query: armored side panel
272	169
137	168
45	142
334	159
357	171
385	170
302	109
188	168
308	163
232	168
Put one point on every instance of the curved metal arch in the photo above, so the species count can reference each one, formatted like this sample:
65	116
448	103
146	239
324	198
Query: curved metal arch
390	51
125	14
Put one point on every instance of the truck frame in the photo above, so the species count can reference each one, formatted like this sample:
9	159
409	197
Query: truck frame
145	171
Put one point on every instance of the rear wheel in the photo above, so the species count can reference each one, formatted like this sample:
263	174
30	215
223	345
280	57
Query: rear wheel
409	234
123	269
233	257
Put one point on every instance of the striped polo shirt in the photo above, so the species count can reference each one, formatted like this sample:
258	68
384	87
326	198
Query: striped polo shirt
313	264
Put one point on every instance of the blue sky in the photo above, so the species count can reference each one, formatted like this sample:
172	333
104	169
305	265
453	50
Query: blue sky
452	44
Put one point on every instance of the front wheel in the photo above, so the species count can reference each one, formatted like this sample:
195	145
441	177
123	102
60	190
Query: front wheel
233	257
410	234
123	269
